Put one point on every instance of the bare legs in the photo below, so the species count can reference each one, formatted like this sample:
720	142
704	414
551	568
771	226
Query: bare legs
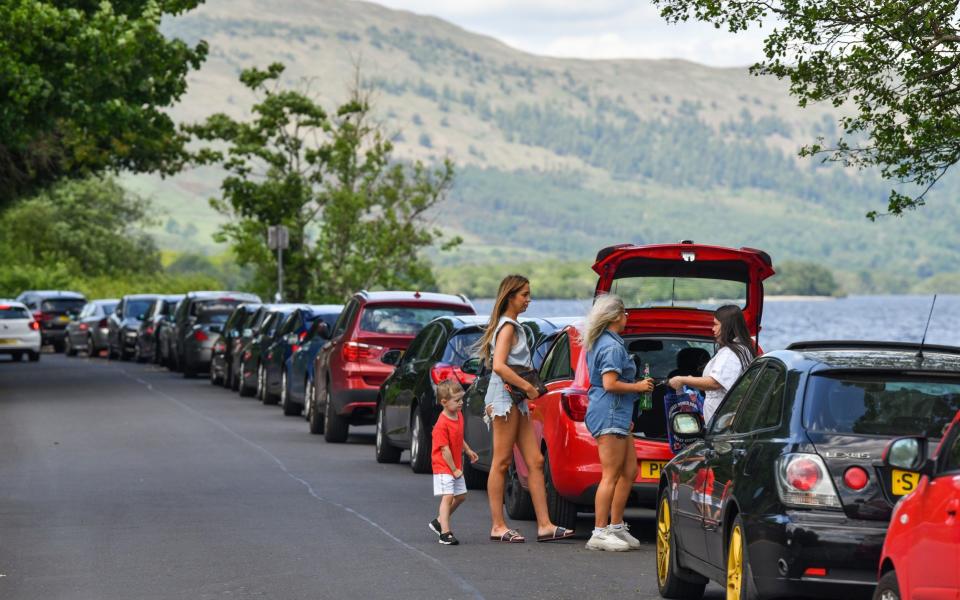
618	461
449	504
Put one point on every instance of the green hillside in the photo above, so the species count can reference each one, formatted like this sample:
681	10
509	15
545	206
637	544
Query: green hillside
557	157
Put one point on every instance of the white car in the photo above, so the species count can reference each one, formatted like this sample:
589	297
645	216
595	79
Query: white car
19	331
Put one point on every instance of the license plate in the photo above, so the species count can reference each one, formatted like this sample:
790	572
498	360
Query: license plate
63	319
650	469
904	482
8	342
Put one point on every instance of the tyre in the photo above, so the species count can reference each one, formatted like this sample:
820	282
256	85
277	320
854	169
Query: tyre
314	416
673	581
34	356
227	379
110	353
214	380
290	408
69	347
473	477
516	498
307	397
58	346
385	452
235	378
137	355
157	357
17	356
123	353
91	347
420	459
335	427
887	587
739	575
242	387
265	396
189	370
562	511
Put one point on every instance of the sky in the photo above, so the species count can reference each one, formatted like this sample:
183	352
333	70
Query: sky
595	29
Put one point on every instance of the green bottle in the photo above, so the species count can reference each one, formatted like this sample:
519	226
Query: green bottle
646	398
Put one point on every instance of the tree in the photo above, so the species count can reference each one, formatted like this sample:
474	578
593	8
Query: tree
83	86
356	219
801	278
897	63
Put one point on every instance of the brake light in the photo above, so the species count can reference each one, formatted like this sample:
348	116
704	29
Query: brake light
149	329
855	478
815	572
302	335
102	324
575	405
357	351
4	307
83	326
200	335
41	316
294	348
802	481
444	371
34	326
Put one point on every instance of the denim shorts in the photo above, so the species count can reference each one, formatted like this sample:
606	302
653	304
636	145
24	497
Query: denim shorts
498	397
609	415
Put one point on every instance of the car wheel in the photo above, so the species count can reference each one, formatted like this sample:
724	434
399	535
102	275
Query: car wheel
739	576
68	346
227	379
473	477
335	427
137	354
58	346
188	369
110	355
214	380
562	511
91	347
34	356
516	498
672	581
265	396
385	452
235	375
16	356
157	358
887	587
420	459
314	416
289	408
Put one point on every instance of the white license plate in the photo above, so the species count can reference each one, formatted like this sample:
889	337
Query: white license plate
9	342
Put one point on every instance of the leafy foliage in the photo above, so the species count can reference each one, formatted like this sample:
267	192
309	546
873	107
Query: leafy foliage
897	62
83	86
798	278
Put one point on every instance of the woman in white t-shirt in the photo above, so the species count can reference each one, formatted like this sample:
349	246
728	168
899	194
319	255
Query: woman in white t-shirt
735	352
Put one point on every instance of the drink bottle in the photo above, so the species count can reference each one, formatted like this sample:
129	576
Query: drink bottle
646	398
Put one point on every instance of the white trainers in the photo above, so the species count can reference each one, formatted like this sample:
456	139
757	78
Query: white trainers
624	534
606	540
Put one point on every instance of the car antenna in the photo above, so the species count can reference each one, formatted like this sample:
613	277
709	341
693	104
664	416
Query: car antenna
924	338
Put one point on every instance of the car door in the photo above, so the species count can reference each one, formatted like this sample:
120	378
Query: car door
114	322
327	357
476	433
934	559
405	379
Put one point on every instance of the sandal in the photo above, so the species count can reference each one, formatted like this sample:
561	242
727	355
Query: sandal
510	536
560	533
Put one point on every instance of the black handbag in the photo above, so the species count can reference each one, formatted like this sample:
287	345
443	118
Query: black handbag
531	376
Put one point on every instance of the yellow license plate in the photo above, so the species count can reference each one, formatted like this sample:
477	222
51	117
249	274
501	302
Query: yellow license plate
650	469
63	319
8	342
904	482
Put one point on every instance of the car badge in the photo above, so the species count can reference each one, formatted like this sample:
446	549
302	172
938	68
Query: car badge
688	256
857	455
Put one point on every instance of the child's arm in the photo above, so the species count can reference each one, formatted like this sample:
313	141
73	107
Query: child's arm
473	456
448	458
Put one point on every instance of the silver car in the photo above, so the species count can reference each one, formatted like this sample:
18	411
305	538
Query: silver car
88	331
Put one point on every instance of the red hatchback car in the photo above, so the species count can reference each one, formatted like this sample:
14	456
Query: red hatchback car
921	554
670	292
366	343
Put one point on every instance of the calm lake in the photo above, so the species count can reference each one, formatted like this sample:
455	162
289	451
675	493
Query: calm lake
899	318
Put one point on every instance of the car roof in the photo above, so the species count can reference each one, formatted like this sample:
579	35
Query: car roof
105	301
172	297
831	355
141	296
426	297
55	294
6	302
324	308
236	295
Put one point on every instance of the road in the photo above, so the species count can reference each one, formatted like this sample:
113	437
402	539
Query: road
123	481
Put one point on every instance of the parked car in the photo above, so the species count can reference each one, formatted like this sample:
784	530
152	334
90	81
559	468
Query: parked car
159	316
245	383
221	361
300	388
197	316
88	332
165	333
348	370
53	310
291	336
784	493
19	331
254	349
123	325
921	553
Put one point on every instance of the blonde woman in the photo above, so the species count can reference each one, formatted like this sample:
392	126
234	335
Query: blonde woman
613	391
504	344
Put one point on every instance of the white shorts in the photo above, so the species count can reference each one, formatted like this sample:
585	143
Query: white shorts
445	485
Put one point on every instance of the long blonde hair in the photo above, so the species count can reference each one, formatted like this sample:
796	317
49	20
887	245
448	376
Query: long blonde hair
509	287
606	309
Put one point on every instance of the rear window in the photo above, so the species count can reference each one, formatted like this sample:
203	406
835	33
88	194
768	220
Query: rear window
330	320
461	347
62	305
214	314
403	320
109	307
214	305
135	308
169	307
873	405
683	292
13	312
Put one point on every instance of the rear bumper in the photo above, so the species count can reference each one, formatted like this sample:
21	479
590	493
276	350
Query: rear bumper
28	344
359	405
198	357
53	335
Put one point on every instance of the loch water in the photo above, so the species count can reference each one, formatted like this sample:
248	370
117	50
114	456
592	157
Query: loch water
887	318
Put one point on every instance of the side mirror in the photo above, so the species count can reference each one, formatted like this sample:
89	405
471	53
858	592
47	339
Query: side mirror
909	454
686	427
290	338
391	357
472	366
247	332
323	331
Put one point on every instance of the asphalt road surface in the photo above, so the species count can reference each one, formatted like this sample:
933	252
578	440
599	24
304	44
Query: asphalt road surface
125	481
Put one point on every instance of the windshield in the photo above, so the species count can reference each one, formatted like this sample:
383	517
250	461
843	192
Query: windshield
668	357
403	320
62	305
461	347
13	312
135	308
685	292
878	405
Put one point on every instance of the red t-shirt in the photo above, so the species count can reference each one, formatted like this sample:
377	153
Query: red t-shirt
447	432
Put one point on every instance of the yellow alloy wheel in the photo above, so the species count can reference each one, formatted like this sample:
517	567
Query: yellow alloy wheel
663	542
735	564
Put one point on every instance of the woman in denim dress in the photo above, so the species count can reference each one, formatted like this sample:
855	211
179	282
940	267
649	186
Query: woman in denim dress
613	391
503	344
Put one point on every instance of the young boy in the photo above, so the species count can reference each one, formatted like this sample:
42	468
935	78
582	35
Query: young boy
447	454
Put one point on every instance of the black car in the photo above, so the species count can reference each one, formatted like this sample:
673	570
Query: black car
195	319
221	362
784	492
88	331
407	406
252	353
246	383
123	325
53	310
151	339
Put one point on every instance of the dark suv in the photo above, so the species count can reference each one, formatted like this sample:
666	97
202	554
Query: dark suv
349	369
199	315
123	325
151	339
784	492
53	310
221	363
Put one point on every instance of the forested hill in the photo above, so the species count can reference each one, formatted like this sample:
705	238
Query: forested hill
558	157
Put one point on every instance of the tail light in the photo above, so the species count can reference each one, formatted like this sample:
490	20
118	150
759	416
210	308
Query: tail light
200	335
855	478
295	347
149	329
83	327
802	480
102	324
220	346
356	351
34	326
443	371
42	316
575	405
